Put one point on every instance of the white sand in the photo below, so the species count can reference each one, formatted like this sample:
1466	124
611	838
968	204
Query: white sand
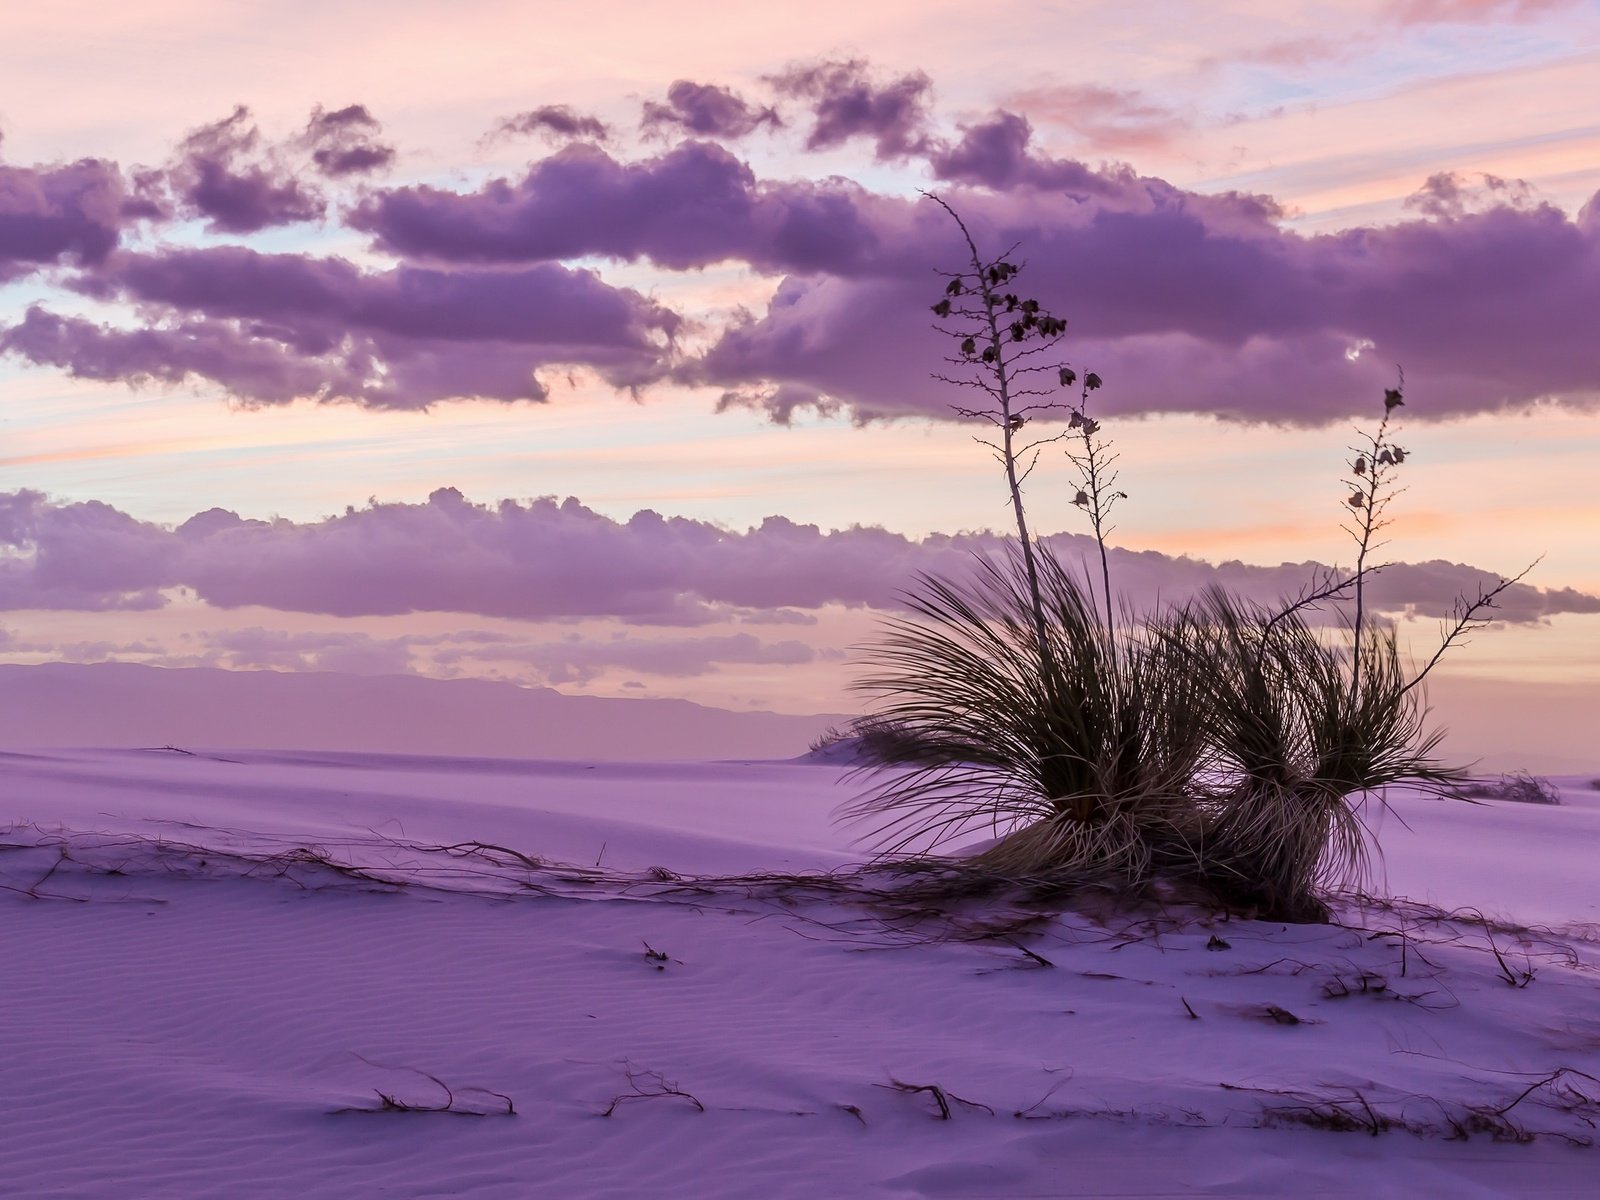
217	1019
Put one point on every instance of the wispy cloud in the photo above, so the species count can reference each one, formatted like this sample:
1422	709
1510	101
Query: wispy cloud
1435	12
707	110
848	102
556	122
1104	119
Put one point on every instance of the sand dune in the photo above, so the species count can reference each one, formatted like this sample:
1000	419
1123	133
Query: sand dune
264	974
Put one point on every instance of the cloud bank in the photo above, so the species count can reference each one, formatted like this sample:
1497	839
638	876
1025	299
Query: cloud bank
545	560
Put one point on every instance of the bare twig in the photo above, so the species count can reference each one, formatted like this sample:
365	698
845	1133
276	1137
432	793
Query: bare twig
941	1096
649	1085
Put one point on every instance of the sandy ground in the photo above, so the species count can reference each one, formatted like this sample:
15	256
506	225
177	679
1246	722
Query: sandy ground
257	974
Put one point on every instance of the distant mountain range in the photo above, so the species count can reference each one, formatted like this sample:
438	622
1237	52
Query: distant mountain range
1503	725
124	704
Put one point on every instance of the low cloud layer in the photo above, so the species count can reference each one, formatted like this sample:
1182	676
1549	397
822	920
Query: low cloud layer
547	560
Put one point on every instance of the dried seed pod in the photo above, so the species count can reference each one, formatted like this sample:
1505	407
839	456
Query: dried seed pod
1081	499
1357	500
1360	465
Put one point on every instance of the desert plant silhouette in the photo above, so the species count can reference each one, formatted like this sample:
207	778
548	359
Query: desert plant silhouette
1224	742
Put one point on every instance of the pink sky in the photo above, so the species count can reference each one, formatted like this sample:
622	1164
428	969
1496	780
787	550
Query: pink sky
291	352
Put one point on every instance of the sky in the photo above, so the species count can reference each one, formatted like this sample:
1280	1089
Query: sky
497	340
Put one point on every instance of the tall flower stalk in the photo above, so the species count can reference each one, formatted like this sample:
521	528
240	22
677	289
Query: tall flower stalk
1375	460
1000	338
1096	462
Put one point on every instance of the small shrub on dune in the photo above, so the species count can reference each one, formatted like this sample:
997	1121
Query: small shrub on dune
1517	787
864	740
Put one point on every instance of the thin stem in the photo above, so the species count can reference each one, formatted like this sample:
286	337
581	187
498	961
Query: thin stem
1468	616
1370	489
1099	494
1097	505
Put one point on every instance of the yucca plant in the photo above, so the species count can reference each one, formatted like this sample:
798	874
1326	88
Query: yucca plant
1228	742
1004	347
1306	725
1084	769
1299	734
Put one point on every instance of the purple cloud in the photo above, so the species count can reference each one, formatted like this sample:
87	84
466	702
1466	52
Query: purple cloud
1205	303
846	103
547	560
72	212
256	370
706	110
344	142
1183	301
224	174
273	328
554	121
85	557
996	154
695	205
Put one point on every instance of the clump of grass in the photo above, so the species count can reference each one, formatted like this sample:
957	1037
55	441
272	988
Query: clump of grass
1081	769
1306	725
1298	728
